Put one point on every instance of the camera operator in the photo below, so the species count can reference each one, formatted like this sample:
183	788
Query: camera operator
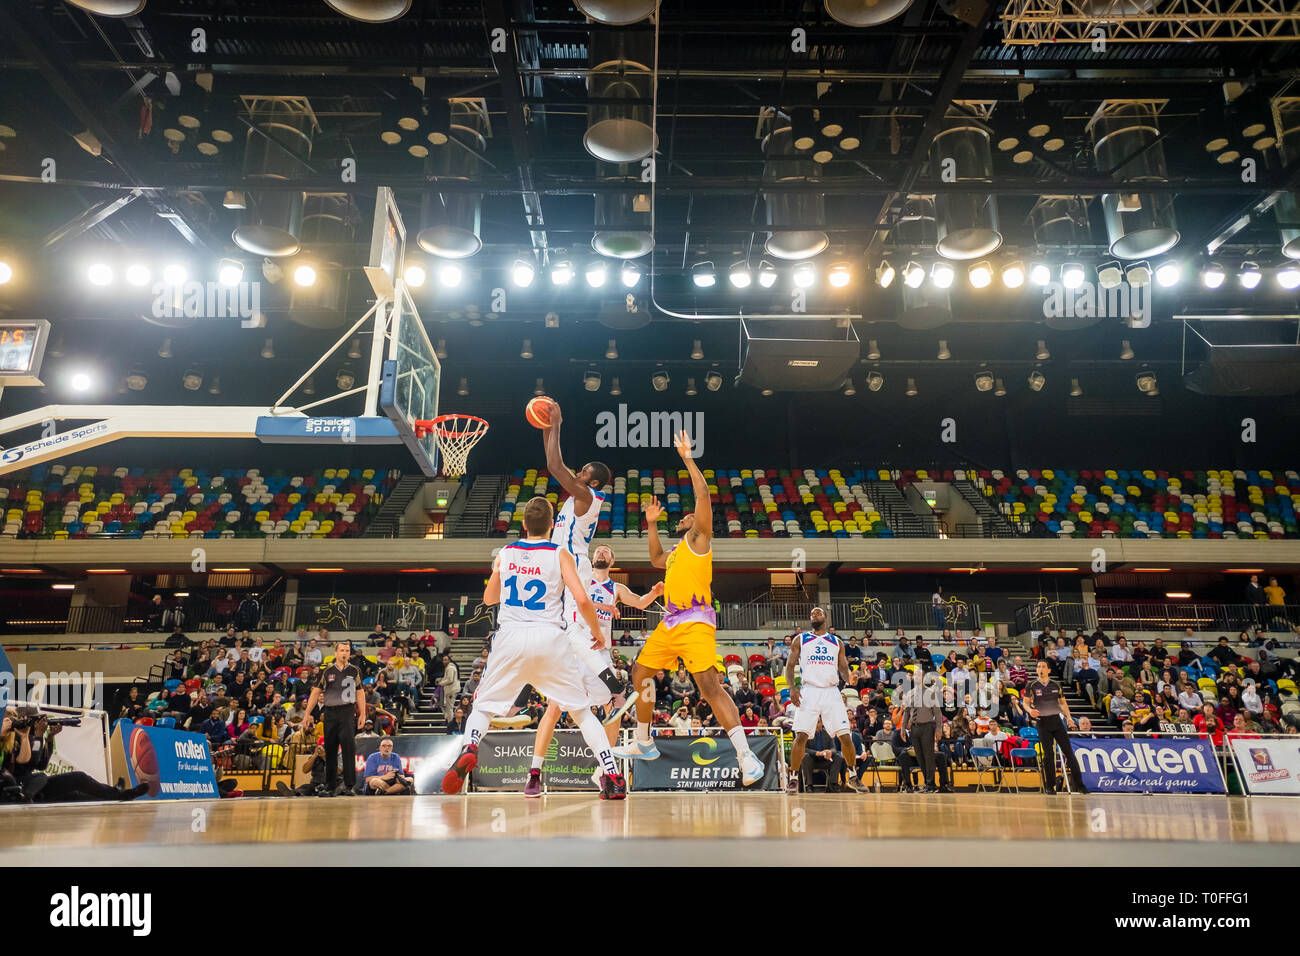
29	754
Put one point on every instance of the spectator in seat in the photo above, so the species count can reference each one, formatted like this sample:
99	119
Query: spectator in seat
901	651
823	754
1019	676
384	775
216	728
663	687
313	656
749	718
954	748
1126	729
747	695
456	725
1120	653
682	686
1120	706
1085	726
853	651
1086	676
1223	654
248	616
1188	696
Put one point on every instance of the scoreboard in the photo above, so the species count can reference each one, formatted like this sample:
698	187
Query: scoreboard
22	347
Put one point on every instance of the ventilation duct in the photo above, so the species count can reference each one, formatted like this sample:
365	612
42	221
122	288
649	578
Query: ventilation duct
329	224
622	217
1286	113
967	221
450	220
616	13
1060	221
619	83
277	148
916	226
1139	225
865	13
110	8
371	11
796	208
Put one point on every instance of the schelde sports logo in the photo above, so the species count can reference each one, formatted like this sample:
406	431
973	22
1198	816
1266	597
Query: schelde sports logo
706	744
11	455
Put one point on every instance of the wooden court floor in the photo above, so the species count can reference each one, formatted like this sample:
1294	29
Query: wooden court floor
671	829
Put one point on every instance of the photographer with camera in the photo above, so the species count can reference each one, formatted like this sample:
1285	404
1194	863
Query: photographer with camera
27	742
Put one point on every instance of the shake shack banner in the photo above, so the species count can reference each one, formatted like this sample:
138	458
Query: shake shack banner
1150	765
506	756
705	763
1269	765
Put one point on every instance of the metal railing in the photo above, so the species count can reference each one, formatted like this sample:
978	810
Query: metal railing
850	616
1277	620
339	614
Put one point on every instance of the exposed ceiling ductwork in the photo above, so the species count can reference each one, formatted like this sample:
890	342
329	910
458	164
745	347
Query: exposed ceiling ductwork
1060	221
619	121
786	208
967	221
450	221
1126	144
277	147
622	218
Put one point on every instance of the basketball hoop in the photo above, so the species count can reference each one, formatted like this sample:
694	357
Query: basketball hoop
454	435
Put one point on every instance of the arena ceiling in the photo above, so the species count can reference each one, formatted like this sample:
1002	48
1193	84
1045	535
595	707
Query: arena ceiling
102	164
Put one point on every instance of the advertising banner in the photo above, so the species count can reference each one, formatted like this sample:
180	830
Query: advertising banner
705	763
1269	765
425	757
1148	765
82	746
175	764
506	756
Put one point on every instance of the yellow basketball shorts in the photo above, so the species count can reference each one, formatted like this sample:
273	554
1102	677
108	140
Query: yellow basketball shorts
695	642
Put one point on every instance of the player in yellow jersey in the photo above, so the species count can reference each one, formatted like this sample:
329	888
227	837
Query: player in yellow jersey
689	626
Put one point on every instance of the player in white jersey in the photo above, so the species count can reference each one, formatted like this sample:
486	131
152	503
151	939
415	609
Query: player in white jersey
822	664
529	580
605	595
574	528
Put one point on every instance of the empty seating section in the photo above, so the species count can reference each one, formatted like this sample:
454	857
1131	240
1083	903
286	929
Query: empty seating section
1148	503
78	501
748	503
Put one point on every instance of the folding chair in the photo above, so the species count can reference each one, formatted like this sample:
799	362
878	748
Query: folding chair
882	754
1020	753
985	758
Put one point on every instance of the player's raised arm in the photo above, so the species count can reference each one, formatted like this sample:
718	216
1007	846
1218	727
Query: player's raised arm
555	462
703	529
625	595
578	591
652	512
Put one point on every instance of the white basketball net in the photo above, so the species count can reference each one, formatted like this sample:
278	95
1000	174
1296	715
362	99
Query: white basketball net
455	435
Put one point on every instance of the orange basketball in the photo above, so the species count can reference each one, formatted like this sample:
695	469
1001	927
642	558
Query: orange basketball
538	412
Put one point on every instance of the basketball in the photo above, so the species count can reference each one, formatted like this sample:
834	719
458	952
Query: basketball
144	762
538	412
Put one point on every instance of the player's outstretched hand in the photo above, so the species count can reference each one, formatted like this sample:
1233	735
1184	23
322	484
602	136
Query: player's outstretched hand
598	642
556	417
653	510
657	590
796	698
682	443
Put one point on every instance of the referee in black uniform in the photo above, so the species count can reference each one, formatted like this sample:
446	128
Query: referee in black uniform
338	687
1047	706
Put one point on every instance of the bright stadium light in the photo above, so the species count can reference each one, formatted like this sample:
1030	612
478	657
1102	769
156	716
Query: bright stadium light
703	276
1288	275
1138	274
804	275
99	273
980	274
522	273
414	276
1213	275
941	274
450	275
138	274
6	272
230	272
884	275
739	276
1110	274
1040	273
1072	275
304	275
175	274
913	275
1013	274
1249	275
840	275
81	381
766	274
597	273
630	274
1169	272
562	273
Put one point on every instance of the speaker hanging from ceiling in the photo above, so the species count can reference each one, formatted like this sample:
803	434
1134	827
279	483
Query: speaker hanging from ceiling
967	221
619	84
1139	225
371	11
450	220
616	13
276	148
785	356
